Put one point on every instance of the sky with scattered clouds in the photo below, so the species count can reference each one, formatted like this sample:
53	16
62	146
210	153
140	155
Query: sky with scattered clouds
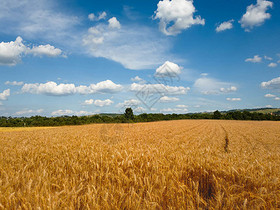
73	57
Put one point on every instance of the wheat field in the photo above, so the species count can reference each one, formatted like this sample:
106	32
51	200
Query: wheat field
184	164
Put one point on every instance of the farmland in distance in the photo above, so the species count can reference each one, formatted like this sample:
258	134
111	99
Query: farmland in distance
194	164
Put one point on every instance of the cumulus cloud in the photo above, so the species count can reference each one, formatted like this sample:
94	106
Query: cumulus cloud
102	87
176	16
229	89
49	88
269	95
12	52
272	84
14	83
101	103
98	102
166	99
272	65
159	88
210	86
255	59
225	26
4	95
168	69
277	98
62	112
114	23
54	89
137	79
88	102
256	14
101	16
46	50
135	47
28	112
233	99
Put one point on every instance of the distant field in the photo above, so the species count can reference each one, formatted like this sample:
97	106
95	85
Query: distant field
10	129
266	111
183	164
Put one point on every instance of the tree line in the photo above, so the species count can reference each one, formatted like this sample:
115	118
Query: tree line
128	117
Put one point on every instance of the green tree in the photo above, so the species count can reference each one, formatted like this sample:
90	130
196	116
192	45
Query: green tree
217	115
129	114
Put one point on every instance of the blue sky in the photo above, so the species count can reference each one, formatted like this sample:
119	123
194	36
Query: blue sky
84	57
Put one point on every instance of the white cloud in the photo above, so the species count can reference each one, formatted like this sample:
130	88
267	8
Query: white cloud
268	106
129	103
233	99
138	79
269	95
229	89
159	88
256	14
12	52
209	86
14	83
98	102
272	84
168	69
101	16
91	16
101	103
176	16
135	47
28	112
272	65
204	74
225	26
139	110
88	102
114	23
49	88
182	106
106	86
54	89
278	61
46	50
4	95
277	98
255	59
267	58
166	99
61	112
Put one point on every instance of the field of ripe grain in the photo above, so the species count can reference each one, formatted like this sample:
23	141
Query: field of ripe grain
186	164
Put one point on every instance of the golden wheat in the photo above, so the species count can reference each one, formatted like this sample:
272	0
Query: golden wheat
160	165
